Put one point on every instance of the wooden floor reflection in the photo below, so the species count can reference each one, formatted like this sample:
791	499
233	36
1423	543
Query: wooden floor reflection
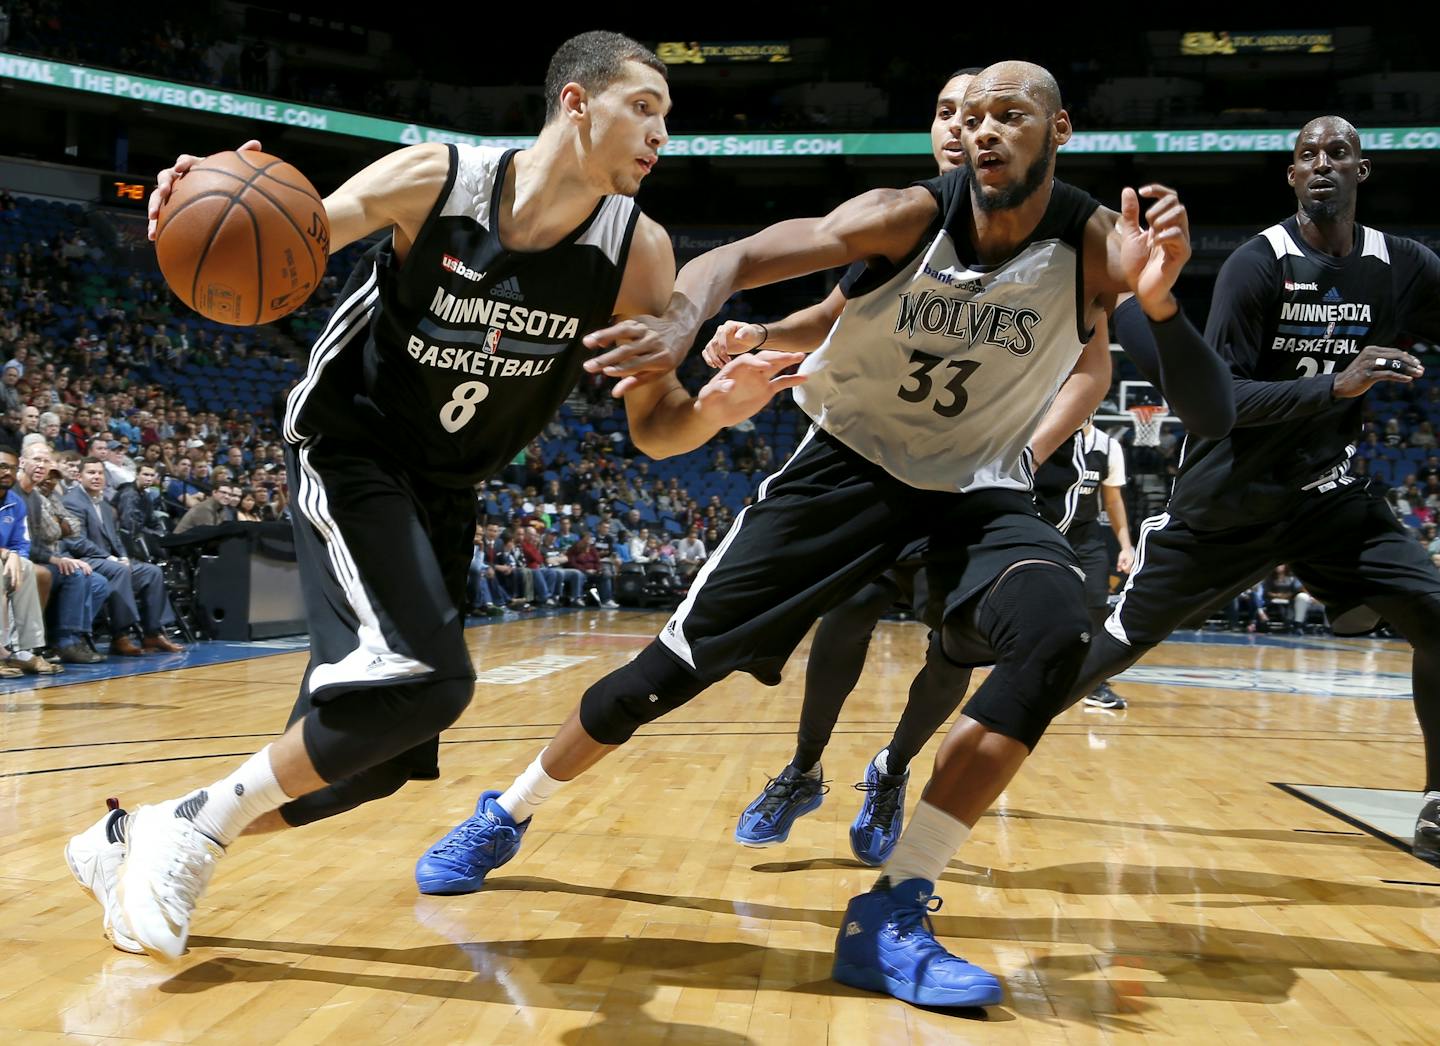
1143	877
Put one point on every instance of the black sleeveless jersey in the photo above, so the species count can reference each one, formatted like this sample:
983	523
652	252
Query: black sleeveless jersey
1067	483
456	358
1287	319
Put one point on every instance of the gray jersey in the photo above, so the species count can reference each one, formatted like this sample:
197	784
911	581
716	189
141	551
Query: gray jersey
938	370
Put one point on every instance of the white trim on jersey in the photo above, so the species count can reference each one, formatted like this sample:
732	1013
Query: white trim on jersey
607	231
1281	243
1113	624
474	183
1114	461
350	316
1375	246
373	660
673	634
1072	494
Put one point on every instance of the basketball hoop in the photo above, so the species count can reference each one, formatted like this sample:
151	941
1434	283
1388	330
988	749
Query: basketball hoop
1147	417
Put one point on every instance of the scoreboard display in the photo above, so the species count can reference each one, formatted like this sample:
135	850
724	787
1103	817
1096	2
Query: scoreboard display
132	192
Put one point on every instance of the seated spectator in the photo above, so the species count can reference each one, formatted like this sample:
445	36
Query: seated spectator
21	608
572	581
140	516
584	557
482	589
137	600
182	492
546	577
247	509
690	553
1423	436
214	510
78	592
638	545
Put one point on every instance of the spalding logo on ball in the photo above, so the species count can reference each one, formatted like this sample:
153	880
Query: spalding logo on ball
243	238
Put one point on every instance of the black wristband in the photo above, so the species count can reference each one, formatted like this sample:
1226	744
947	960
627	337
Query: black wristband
764	335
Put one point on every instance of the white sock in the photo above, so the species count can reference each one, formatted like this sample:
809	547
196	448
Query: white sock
882	761
814	772
227	807
530	790
1431	797
929	841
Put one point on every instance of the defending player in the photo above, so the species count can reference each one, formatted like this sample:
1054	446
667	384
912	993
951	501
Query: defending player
1303	313
978	300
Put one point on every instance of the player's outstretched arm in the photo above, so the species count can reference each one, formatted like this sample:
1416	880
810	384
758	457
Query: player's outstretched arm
885	222
1077	399
801	331
1145	260
398	190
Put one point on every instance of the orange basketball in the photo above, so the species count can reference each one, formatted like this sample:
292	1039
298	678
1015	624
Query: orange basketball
243	238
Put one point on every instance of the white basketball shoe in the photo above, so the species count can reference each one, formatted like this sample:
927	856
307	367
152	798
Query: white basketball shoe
168	863
95	863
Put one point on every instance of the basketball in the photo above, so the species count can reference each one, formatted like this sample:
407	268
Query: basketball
243	238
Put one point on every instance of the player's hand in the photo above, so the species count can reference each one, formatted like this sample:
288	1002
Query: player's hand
1125	561
732	338
640	350
1152	257
165	180
746	384
1376	363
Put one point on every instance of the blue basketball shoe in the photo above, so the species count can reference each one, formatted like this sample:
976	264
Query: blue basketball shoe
886	944
767	820
459	862
877	826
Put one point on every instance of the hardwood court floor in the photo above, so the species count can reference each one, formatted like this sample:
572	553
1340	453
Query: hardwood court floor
1142	878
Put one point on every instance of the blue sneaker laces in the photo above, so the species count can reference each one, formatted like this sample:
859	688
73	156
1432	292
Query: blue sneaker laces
911	918
779	790
470	834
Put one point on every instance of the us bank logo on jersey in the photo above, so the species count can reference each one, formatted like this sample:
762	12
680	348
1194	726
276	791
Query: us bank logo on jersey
952	277
1291	285
459	268
972	322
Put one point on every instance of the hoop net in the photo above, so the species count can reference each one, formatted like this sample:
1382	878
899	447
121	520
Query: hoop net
1147	423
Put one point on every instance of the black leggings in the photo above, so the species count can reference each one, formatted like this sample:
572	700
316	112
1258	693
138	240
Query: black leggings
837	658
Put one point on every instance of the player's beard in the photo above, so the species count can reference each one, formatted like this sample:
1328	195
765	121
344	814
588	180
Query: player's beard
1014	195
1323	210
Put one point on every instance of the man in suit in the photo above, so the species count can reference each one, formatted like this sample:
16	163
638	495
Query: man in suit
101	547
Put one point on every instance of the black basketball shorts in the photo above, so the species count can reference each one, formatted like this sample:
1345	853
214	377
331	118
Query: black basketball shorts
383	557
822	526
1088	541
1346	546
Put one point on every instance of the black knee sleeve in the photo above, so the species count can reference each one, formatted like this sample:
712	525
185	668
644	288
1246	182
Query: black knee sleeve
364	728
638	693
1036	623
364	787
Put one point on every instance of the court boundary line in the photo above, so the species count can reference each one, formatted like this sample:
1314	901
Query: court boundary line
1353	822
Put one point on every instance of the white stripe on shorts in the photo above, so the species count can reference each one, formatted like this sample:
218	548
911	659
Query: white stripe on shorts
373	660
1152	525
673	634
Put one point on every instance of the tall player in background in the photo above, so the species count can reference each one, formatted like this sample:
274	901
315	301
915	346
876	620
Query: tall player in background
419	355
842	638
1304	312
1085	474
978	299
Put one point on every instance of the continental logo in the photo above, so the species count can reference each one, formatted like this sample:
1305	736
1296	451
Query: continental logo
973	322
517	319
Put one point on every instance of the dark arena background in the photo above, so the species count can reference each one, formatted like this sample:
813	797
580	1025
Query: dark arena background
1225	855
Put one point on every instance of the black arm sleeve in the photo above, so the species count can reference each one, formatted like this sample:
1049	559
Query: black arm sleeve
1175	359
1245	294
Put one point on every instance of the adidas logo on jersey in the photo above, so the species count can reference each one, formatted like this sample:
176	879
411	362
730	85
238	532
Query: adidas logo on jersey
508	289
459	268
1333	294
1291	285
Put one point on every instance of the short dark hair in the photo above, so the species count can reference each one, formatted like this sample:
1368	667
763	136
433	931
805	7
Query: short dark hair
90	459
6	448
594	60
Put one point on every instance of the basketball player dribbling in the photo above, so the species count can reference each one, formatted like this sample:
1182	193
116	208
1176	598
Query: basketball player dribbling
842	638
977	301
423	383
1305	313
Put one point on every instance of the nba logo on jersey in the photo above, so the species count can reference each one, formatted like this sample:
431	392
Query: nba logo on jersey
492	340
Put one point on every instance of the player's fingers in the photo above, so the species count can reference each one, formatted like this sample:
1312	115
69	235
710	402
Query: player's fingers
776	361
253	145
788	381
1155	190
1129	209
1167	212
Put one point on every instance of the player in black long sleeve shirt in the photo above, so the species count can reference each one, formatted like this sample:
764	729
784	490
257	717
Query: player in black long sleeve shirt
1306	314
